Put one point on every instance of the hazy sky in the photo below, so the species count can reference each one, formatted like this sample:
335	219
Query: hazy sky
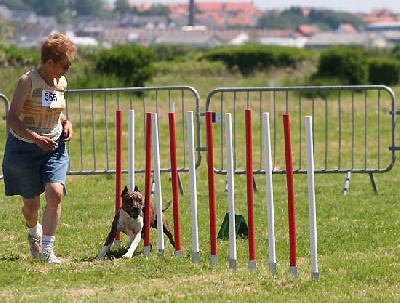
346	5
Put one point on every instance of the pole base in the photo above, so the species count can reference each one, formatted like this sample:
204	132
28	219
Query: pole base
293	271
272	269
178	254
252	265
146	251
195	257
233	264
214	259
315	275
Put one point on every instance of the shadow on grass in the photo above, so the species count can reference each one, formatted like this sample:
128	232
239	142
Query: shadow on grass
115	253
10	258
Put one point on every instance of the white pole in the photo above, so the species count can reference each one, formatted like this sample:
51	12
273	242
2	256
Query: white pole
231	194
193	189
270	193
131	151
311	198
157	181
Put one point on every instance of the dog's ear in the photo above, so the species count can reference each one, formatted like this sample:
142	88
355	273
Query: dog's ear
136	189
124	191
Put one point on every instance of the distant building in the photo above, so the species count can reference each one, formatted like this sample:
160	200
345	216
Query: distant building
200	38
383	26
365	39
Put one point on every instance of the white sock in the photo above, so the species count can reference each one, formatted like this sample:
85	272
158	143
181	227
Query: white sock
35	231
47	242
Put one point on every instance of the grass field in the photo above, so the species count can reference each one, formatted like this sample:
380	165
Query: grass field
358	241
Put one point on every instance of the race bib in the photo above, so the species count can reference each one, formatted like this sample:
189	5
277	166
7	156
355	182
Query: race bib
52	99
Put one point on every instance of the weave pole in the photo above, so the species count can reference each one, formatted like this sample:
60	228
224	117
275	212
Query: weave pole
174	182
231	192
193	189
147	187
311	199
250	190
211	189
290	189
157	185
270	193
118	170
131	149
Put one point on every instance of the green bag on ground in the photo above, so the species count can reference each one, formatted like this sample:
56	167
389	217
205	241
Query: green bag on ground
240	227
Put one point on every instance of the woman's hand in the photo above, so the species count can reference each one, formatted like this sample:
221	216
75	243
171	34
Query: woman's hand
67	131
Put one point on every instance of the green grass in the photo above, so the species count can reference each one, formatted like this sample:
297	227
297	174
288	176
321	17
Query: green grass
357	248
358	241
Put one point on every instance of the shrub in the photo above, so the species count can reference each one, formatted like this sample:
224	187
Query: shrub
348	64
384	71
130	63
20	57
250	58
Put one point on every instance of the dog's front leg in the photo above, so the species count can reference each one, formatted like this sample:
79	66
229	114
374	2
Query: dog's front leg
133	245
103	252
107	245
110	238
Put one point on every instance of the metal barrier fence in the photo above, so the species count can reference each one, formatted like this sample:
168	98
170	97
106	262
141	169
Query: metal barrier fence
348	127
93	114
3	127
349	123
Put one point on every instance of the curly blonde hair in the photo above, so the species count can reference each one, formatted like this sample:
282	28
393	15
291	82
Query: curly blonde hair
58	47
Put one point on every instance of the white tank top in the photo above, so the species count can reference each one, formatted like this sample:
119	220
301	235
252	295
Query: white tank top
43	107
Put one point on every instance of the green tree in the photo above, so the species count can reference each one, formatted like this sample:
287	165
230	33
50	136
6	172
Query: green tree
288	19
122	7
293	17
156	10
47	7
334	19
88	7
15	4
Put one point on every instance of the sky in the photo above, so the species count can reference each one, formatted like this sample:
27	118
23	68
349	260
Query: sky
354	6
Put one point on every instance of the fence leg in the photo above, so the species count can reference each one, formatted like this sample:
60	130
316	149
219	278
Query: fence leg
374	186
254	184
180	185
347	183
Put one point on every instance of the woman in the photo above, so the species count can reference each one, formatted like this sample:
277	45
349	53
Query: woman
35	158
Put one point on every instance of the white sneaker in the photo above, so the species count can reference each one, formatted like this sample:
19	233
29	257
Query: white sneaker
35	243
49	257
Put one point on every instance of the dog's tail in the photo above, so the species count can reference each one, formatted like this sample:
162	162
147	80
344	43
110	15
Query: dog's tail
167	206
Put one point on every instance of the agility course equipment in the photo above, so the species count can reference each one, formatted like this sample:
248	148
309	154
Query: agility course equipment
174	180
290	192
193	189
153	148
311	199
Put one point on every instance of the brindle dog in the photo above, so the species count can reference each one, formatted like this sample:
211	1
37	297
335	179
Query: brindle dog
130	220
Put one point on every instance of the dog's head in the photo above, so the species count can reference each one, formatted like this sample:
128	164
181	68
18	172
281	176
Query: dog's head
132	202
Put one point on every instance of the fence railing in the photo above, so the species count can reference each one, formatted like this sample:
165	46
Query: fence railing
350	126
349	123
93	114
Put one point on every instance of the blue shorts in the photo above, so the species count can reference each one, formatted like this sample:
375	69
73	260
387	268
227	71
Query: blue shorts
27	168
